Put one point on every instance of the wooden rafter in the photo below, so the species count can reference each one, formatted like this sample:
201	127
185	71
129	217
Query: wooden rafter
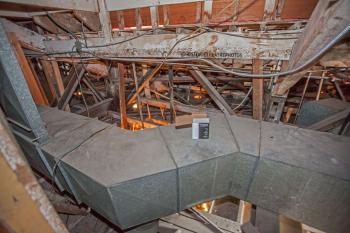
328	20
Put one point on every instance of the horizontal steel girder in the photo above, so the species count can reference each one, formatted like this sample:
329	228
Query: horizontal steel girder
134	177
207	45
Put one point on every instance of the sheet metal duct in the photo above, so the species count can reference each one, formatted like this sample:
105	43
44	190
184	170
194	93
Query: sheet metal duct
134	177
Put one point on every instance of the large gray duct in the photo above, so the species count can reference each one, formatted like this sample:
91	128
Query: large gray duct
134	177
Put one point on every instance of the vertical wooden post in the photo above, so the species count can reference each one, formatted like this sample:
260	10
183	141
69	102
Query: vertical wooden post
138	19
147	89
45	64
244	212
258	90
122	105
171	94
33	84
105	21
139	105
57	76
154	17
207	10
198	12
166	14
120	16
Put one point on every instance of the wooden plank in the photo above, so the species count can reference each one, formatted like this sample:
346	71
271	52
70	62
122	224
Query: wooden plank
47	24
258	90
166	15
143	85
328	19
99	109
114	5
270	9
105	21
68	21
90	19
138	19
154	17
198	12
24	35
33	84
42	85
58	77
244	212
207	11
166	105
212	92
73	82
120	17
171	94
24	207
147	89
49	74
84	5
122	105
139	105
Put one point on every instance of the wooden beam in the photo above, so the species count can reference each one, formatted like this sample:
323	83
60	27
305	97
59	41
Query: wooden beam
328	19
24	34
270	9
212	92
171	94
122	105
33	84
90	19
166	15
84	5
258	90
47	24
138	18
139	105
166	105
99	109
207	11
115	5
244	212
68	21
93	89
105	21
73	82
120	17
57	77
143	85
198	12
154	17
51	80
24	206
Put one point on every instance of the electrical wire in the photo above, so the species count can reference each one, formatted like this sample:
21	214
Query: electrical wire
250	37
301	67
244	99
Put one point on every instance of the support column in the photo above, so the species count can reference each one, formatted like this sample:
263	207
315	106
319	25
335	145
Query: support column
258	90
122	105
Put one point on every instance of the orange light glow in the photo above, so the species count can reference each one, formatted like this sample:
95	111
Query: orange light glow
197	97
134	106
